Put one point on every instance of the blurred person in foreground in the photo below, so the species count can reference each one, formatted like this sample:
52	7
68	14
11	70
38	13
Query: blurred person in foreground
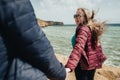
25	52
87	54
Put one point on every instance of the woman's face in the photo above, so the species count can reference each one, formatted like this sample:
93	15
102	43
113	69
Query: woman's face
79	17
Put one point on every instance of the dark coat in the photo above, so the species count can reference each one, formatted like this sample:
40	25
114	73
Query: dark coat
84	53
25	52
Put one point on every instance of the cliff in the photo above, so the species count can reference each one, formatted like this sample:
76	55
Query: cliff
105	73
43	23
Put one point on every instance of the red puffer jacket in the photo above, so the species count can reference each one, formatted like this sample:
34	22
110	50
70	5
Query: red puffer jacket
83	52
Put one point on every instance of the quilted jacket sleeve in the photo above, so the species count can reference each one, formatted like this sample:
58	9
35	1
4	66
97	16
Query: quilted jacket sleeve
76	53
25	38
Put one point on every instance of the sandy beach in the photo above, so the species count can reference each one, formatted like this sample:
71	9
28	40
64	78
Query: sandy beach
105	73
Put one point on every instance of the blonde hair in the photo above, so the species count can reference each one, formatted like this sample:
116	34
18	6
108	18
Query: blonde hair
97	27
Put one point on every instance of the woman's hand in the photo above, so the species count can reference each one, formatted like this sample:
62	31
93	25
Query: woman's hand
68	70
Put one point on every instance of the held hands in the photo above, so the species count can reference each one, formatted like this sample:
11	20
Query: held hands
68	70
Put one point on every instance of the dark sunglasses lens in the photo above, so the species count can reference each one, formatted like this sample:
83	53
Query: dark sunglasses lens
76	15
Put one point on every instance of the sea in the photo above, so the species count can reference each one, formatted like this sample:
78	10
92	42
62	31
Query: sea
60	39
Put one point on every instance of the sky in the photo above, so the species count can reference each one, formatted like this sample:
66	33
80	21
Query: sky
63	10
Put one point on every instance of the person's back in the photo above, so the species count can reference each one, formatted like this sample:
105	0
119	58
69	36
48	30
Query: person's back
25	52
3	59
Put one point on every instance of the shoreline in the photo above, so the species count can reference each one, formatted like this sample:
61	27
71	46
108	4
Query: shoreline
105	73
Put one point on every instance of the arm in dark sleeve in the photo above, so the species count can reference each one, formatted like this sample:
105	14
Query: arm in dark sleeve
25	37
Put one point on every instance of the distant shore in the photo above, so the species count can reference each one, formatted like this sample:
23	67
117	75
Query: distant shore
107	24
105	73
43	23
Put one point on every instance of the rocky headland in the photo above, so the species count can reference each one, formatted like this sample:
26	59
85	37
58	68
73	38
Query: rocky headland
43	23
105	73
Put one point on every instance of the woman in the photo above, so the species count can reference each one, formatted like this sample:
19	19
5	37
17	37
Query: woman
87	55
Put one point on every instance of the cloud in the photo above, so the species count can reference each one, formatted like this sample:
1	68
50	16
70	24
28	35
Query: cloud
72	4
63	3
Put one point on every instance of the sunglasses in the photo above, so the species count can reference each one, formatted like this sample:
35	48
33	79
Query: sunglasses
77	15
